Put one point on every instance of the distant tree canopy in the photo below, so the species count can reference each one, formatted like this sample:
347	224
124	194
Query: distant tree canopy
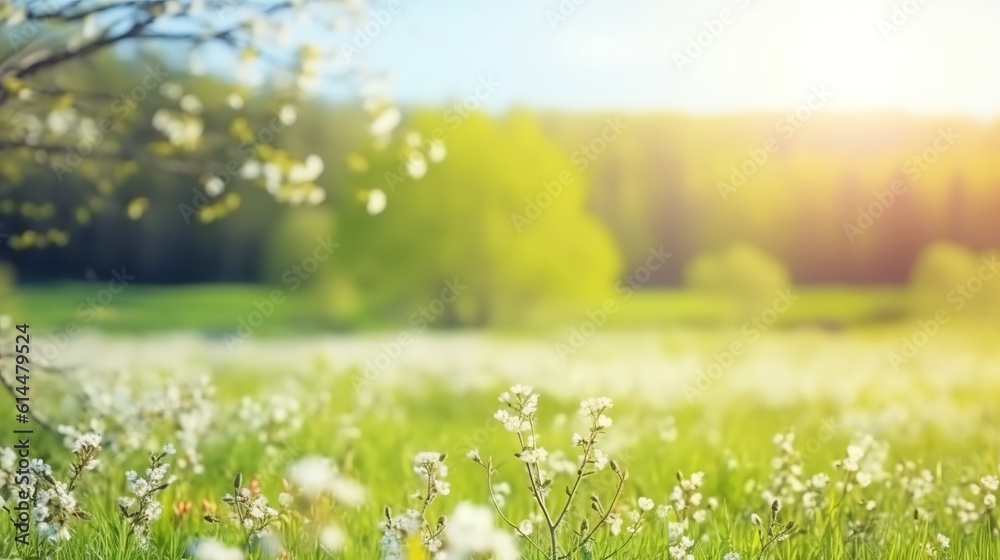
941	267
955	280
654	185
504	217
6	280
741	271
82	119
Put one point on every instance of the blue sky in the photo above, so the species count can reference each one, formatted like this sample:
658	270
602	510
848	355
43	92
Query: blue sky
620	55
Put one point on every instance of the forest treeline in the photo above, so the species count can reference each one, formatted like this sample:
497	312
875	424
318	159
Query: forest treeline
836	198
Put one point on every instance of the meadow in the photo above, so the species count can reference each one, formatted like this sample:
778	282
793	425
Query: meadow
369	280
214	308
809	445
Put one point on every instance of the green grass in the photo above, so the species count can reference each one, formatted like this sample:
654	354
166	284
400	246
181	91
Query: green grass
215	308
141	308
944	421
395	425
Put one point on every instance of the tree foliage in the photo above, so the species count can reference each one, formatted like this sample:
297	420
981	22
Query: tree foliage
504	215
70	112
742	271
956	280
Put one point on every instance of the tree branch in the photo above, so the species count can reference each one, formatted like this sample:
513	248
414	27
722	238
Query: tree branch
124	154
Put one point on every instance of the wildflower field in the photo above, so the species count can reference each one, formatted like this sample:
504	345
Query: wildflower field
540	280
810	445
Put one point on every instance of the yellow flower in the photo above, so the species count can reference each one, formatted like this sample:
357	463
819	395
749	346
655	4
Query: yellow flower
415	549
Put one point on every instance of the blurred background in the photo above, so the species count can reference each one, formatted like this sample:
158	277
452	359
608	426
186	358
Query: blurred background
652	164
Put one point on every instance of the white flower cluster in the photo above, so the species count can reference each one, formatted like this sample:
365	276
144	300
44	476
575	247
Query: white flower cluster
682	549
181	128
636	517
977	502
614	522
128	415
686	499
918	483
421	153
942	545
318	476
594	408
286	179
432	470
111	407
53	508
332	538
87	443
518	416
143	506
532	453
788	483
471	533
211	549
273	421
990	485
85	448
396	531
520	405
864	463
250	511
53	505
191	410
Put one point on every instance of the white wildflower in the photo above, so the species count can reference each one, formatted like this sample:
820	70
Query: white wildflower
471	532
211	549
332	538
945	541
376	202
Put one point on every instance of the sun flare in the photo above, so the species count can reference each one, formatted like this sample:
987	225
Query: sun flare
839	46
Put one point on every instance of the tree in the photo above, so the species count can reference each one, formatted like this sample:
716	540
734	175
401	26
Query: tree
501	219
743	272
7	281
955	279
95	137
